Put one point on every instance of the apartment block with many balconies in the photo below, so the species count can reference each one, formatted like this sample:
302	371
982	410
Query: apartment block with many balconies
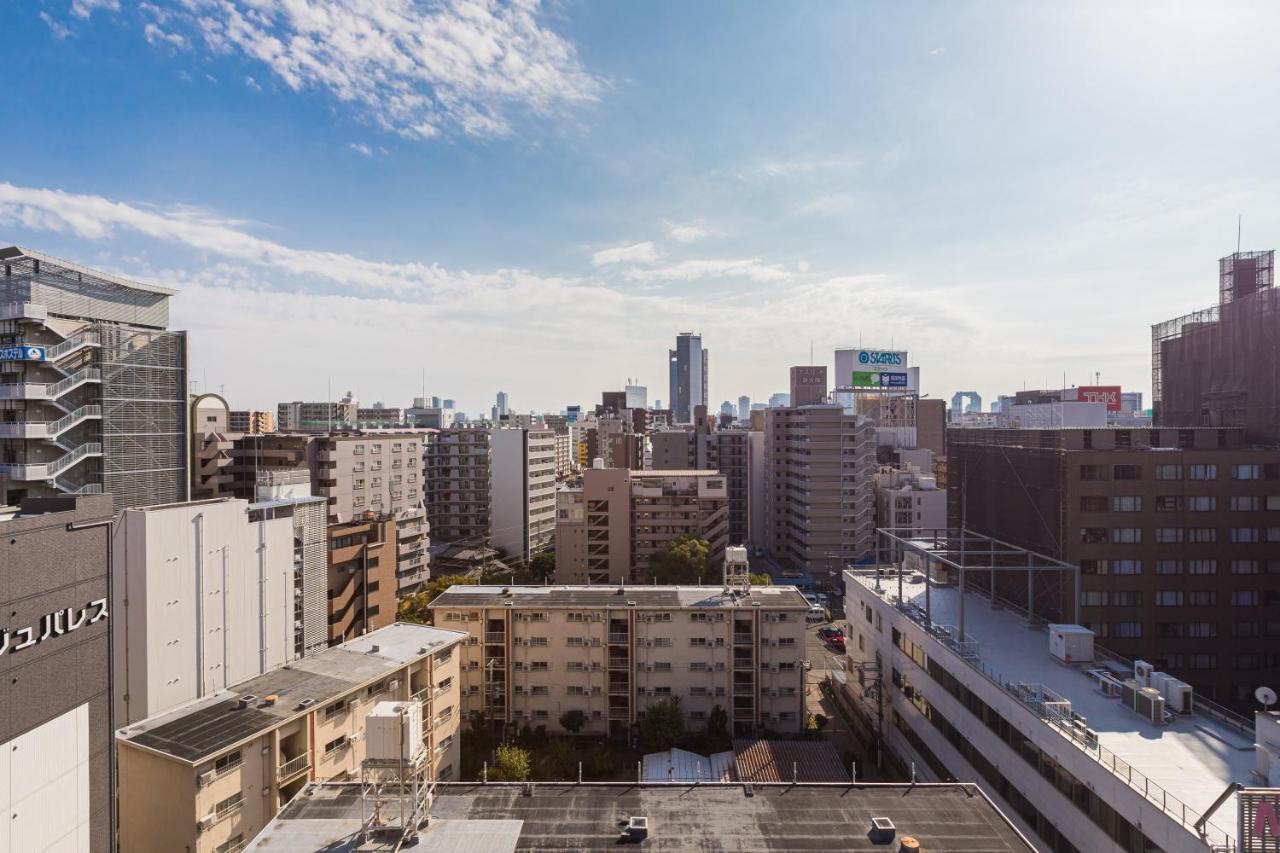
207	777
93	387
534	653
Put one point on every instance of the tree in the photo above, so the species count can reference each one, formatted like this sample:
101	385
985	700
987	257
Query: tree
558	761
542	566
513	765
413	608
573	721
759	579
663	725
718	727
684	561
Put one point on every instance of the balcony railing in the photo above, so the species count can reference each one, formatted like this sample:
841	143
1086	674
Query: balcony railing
618	663
617	638
619	690
494	636
293	766
619	714
744	689
742	638
743	714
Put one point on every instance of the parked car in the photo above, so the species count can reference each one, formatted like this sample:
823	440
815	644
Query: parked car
816	614
827	632
836	644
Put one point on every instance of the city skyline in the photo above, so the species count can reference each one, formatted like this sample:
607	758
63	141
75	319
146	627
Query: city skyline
635	190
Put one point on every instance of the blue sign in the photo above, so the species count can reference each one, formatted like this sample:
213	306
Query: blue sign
893	380
870	356
22	353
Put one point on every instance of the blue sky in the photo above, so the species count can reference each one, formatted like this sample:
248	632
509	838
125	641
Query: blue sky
537	197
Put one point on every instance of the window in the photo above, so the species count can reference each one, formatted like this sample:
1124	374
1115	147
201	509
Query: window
1245	598
540	690
1273	503
1094	472
334	745
231	844
662	642
1246	629
1126	503
1169	503
226	763
537	666
1202	472
1169	630
575	690
1202	598
1126	598
542	642
697	617
1202	629
1093	503
1127	630
698	641
698	666
377	448
1245	503
1246	472
576	666
334	710
1168	534
1126	472
1168	598
662	666
1168	567
662	691
1245	534
1202	661
1092	536
229	805
697	691
1202	503
1093	598
1126	535
1202	567
1273	534
1202	534
576	642
1168	472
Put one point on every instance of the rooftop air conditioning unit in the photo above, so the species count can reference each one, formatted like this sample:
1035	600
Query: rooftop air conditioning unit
1142	672
205	778
1179	696
204	823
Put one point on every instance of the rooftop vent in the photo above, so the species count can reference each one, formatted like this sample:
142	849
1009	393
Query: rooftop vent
246	701
307	703
374	649
882	830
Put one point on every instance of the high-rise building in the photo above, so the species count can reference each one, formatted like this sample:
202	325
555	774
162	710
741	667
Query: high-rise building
819	486
612	655
492	486
808	385
95	386
208	776
1172	530
1218	366
501	404
689	368
637	396
744	408
726	451
55	733
616	521
779	399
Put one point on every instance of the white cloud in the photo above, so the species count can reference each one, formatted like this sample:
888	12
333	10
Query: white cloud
361	148
938	51
754	269
825	205
84	8
687	233
59	30
253	84
636	253
155	35
411	68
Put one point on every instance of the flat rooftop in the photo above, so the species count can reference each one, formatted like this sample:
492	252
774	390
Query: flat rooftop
1193	758
659	597
500	818
201	729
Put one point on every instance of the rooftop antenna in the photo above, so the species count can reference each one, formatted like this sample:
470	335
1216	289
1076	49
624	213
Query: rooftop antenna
1239	230
1266	696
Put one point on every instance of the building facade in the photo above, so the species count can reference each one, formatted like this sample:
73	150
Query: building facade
95	385
55	733
610	527
522	491
908	498
362	577
819	464
252	422
207	777
211	443
689	372
534	653
1176	533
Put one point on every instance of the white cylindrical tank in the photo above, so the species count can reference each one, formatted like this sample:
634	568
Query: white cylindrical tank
393	731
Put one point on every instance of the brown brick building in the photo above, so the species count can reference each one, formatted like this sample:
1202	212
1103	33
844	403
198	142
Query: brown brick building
1176	532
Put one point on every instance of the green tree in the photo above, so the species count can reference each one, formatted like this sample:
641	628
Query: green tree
558	761
513	765
684	561
718	728
413	608
573	721
663	725
542	566
603	761
759	579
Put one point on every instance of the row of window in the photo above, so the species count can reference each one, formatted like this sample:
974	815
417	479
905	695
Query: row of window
1176	535
1097	473
1178	567
376	447
1175	598
1177	503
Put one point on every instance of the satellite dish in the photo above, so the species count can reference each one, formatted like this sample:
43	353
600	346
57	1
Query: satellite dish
1266	696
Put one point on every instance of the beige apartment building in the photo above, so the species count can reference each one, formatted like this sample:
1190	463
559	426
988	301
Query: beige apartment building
492	486
612	525
207	777
535	652
252	422
819	469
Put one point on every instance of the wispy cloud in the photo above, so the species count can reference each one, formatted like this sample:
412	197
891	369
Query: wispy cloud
411	68
754	269
59	30
253	84
686	233
361	148
938	51
636	253
824	205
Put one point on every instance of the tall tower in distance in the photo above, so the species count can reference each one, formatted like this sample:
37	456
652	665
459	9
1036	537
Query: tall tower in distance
689	364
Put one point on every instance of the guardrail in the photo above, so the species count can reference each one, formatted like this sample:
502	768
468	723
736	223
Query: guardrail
293	765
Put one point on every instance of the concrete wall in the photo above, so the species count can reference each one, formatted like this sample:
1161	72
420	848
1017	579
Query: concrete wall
203	600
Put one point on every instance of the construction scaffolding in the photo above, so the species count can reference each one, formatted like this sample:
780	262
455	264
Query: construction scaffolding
395	800
1220	367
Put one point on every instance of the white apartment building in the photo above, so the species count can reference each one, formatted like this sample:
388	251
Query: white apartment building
908	498
535	652
203	598
492	486
208	776
1084	750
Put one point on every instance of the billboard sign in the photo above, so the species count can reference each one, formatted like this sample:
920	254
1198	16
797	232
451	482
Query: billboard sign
1109	394
877	379
22	353
1258	811
875	357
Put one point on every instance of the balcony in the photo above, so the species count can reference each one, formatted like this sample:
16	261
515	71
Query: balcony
293	767
743	639
618	662
743	714
744	690
619	689
617	638
619	714
495	637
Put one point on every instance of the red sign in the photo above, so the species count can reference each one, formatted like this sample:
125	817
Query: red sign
1109	394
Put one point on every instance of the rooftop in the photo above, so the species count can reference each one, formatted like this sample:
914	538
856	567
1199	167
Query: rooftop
16	254
620	596
210	725
501	818
1190	760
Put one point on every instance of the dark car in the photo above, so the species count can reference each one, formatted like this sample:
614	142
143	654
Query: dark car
828	632
836	644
